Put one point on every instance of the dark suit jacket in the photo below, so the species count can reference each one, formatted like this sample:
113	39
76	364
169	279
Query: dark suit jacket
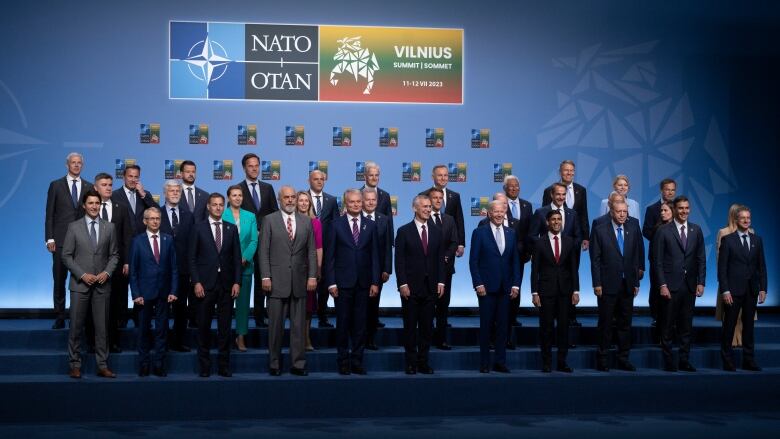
60	210
549	278
652	217
453	208
421	272
521	239
123	229
201	200
606	218
580	206
329	212
351	265
385	235
674	266
207	266
181	236
739	272
268	202
384	206
497	272
571	227
521	228
136	219
607	266
449	233
148	278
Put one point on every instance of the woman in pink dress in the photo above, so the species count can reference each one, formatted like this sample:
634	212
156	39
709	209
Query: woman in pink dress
304	206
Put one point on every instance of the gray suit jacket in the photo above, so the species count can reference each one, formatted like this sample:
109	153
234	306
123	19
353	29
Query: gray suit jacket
289	264
80	258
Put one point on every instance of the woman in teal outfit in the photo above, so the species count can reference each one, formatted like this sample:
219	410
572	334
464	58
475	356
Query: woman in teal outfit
247	233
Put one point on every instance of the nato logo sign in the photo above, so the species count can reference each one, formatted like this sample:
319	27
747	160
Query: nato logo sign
243	61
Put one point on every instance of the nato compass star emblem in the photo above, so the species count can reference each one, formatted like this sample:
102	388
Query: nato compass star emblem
207	60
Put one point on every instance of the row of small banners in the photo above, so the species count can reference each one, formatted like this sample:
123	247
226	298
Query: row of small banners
294	135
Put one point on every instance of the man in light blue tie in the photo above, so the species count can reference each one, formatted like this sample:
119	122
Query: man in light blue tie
617	256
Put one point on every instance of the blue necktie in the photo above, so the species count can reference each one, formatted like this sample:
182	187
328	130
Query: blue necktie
255	197
74	195
93	234
319	205
620	239
515	214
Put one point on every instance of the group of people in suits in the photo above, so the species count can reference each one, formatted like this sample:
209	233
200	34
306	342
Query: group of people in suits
196	253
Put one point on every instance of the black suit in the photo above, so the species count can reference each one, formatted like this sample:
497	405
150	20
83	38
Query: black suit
201	199
421	270
580	206
217	271
741	272
555	282
328	213
616	271
449	233
453	208
181	237
385	239
135	213
681	269
60	211
652	219
268	205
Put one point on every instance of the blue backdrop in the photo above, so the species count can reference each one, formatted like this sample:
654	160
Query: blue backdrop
648	89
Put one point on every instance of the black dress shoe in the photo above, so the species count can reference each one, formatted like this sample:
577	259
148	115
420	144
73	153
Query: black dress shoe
260	324
654	323
425	369
410	370
510	345
324	324
572	346
492	346
204	373
627	366
225	373
143	371
500	368
546	369
380	324
728	366
753	367
344	370
574	323
299	372
371	346
58	324
192	324
517	323
564	368
359	370
602	368
179	348
484	369
114	349
444	346
160	372
274	372
686	367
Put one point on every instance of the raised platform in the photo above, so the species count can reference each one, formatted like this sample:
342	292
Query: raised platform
33	368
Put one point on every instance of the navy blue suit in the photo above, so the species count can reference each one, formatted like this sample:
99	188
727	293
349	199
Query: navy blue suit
652	219
328	213
154	281
449	233
743	274
199	213
136	213
385	236
681	269
617	274
571	226
217	271
353	268
498	273
181	238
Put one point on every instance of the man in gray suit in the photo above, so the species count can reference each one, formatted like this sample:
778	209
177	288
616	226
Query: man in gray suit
288	266
90	252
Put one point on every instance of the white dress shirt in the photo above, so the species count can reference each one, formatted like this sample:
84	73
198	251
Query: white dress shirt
89	226
285	216
419	226
109	208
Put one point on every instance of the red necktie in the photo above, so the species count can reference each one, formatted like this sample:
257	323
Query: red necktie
557	250
156	249
425	240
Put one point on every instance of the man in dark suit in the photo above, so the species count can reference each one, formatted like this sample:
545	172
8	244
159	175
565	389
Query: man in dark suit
259	199
89	251
383	206
742	278
153	281
570	219
115	213
385	242
177	221
520	211
680	269
617	260
353	274
652	218
326	209
449	233
214	256
195	198
451	204
420	272
555	285
577	200
495	274
64	204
